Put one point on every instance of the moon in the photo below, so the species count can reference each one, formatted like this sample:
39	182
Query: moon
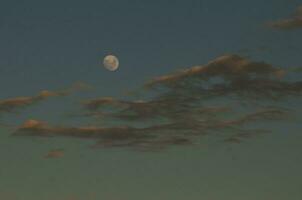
111	62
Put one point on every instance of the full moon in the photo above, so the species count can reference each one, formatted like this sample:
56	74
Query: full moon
111	62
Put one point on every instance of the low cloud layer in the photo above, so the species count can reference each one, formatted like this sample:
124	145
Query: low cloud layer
183	109
152	137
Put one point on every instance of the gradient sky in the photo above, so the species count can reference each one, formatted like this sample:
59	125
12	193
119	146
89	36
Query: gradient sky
50	45
54	44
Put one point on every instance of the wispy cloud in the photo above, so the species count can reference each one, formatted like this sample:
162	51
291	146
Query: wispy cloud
227	67
178	113
56	153
294	22
157	136
18	103
229	74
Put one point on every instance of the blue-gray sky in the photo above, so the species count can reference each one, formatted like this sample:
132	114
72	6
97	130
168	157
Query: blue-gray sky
50	45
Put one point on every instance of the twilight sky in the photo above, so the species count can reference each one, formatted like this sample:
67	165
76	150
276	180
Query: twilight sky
55	44
50	44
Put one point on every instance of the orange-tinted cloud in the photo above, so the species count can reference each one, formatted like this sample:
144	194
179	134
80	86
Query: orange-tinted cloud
159	136
57	153
16	103
226	75
295	22
38	128
178	114
228	67
12	104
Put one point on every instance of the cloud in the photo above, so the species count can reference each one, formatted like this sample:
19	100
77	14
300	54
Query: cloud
165	106
153	137
159	136
227	67
12	104
107	137
104	101
179	107
295	22
226	75
56	153
184	107
38	128
238	138
157	144
17	103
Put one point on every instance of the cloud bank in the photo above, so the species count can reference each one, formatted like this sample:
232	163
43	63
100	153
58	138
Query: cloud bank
179	113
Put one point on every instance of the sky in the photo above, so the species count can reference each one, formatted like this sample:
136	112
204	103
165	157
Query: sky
52	45
61	42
